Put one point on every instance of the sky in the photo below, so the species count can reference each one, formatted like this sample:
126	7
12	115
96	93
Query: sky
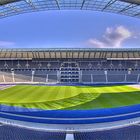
69	29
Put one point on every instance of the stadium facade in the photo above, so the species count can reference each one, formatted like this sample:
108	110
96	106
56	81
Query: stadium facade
88	66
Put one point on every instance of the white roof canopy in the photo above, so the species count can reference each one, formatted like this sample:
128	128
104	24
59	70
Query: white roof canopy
14	7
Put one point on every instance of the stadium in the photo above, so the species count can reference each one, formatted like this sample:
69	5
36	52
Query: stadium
69	93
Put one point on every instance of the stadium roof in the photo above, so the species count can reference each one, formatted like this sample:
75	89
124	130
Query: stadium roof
14	7
70	53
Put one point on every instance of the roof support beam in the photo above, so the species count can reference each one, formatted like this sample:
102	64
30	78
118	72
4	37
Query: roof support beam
78	54
135	15
12	8
58	5
128	7
44	54
109	4
88	55
38	54
50	54
55	54
30	3
83	4
60	54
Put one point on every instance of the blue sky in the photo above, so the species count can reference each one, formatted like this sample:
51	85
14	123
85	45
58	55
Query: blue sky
73	29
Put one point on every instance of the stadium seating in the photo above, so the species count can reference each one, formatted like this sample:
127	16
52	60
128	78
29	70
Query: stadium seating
22	76
116	78
86	78
99	79
16	133
131	77
83	71
128	133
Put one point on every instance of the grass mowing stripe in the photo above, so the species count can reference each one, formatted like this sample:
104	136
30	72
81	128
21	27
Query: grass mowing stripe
9	92
50	95
9	96
60	104
131	98
70	97
114	97
103	100
35	94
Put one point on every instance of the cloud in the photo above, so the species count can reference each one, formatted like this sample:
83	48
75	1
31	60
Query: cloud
112	38
4	44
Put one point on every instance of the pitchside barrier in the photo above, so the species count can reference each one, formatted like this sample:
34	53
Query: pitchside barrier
70	116
70	84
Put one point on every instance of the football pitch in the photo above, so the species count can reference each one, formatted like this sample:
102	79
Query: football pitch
69	97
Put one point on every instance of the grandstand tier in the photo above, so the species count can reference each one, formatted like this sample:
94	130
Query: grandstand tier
70	66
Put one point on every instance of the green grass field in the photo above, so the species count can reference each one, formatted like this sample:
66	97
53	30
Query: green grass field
70	97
